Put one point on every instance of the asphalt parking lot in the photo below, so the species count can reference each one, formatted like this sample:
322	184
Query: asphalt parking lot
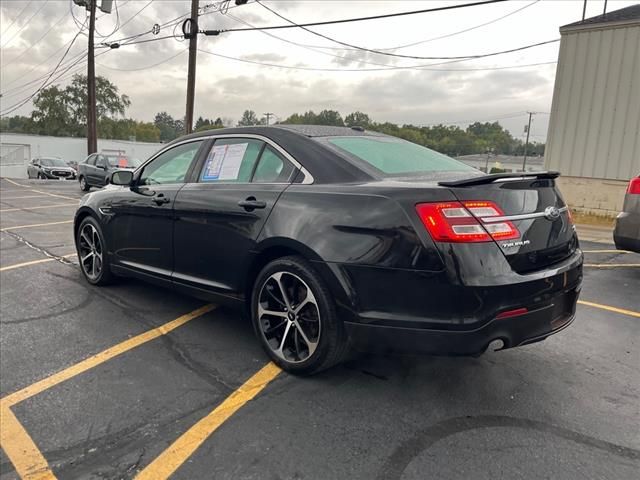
133	380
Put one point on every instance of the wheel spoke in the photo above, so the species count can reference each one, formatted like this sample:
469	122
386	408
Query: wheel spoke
284	337
86	239
90	254
276	327
263	311
283	291
310	345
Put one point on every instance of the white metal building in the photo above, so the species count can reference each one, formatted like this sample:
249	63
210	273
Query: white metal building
17	150
594	129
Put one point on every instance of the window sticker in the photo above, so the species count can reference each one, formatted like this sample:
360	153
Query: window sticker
223	162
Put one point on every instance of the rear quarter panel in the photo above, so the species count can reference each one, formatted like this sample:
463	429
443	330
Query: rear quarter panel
348	224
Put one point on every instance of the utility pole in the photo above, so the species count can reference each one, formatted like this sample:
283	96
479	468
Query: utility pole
268	115
584	9
526	144
191	76
92	127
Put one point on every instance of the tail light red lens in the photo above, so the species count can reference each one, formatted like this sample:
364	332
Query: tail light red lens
465	222
634	186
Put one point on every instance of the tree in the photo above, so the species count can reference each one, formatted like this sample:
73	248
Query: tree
147	132
51	114
357	119
248	118
218	122
167	126
108	101
329	117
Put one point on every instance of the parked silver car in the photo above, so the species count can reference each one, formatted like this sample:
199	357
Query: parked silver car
46	168
626	233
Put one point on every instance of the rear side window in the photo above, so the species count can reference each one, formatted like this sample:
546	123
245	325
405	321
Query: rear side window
272	168
231	160
395	157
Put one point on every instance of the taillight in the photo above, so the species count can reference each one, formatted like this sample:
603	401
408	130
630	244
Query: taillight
634	186
461	222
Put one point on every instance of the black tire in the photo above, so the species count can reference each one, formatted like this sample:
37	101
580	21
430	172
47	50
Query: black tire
84	185
331	340
92	275
41	176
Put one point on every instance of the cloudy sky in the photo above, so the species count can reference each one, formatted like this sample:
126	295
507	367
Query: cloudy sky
320	73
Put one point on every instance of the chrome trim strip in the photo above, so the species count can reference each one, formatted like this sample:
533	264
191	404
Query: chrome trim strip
524	216
308	178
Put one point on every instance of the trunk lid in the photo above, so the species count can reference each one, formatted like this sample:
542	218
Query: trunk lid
534	205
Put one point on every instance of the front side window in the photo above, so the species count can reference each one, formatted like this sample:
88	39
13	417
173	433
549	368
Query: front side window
170	166
392	156
231	160
91	160
101	161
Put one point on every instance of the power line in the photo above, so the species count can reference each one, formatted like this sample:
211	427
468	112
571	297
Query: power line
420	42
144	68
358	19
25	23
15	107
318	69
18	16
388	67
36	42
398	55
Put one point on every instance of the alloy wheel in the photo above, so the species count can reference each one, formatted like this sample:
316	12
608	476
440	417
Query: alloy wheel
289	317
91	252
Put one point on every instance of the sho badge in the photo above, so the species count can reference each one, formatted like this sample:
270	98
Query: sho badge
516	244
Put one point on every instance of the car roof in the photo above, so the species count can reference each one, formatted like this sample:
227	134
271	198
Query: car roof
324	165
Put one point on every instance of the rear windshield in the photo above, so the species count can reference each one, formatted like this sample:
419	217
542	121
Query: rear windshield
122	161
396	157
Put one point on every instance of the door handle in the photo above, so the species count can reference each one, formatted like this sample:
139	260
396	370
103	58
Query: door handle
250	204
160	199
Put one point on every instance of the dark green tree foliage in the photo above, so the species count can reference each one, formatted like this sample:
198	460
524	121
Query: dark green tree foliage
248	118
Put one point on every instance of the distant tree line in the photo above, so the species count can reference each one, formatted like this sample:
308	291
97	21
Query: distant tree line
63	111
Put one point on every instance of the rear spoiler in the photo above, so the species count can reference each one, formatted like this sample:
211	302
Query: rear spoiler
497	176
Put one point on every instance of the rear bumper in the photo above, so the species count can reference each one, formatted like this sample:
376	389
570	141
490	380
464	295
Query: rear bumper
626	233
536	325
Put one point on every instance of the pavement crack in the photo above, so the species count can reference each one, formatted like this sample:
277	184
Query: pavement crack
39	249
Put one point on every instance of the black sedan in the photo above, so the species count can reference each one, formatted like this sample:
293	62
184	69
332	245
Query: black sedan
50	168
333	238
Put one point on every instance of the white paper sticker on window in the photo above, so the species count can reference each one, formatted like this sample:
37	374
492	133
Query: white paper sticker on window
223	162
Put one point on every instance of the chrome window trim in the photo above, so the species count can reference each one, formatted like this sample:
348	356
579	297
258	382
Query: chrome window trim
308	178
524	216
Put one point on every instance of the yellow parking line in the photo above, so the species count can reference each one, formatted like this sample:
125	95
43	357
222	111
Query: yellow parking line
34	225
609	308
39	207
102	357
611	265
33	262
14	439
20	448
179	451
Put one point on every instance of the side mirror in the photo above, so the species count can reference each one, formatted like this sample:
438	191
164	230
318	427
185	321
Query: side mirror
122	177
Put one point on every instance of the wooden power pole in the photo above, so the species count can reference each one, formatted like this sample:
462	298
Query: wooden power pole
526	144
92	127
191	76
